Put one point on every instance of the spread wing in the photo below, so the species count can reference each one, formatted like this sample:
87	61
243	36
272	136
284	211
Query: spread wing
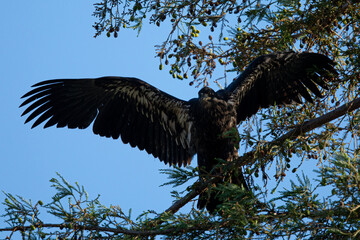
279	78
141	114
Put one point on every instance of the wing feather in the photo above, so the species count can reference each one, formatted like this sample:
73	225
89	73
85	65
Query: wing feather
279	78
128	108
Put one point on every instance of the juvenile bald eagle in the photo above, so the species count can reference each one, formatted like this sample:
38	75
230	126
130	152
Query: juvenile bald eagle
171	129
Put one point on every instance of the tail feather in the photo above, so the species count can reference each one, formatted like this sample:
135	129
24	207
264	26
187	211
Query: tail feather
211	200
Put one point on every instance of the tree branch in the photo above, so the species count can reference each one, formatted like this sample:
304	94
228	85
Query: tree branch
317	122
105	229
270	216
248	158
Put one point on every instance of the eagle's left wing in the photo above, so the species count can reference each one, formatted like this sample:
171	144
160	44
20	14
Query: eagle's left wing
279	78
141	114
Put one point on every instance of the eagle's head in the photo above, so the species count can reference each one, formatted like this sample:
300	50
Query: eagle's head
206	92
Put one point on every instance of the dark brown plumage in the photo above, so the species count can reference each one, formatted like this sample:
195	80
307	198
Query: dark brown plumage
171	129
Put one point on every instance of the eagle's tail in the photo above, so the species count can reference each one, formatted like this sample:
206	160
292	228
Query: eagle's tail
211	200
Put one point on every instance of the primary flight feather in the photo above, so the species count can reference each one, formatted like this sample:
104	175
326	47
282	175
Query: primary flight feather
171	129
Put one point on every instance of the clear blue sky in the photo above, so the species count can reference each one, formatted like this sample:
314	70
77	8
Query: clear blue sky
43	40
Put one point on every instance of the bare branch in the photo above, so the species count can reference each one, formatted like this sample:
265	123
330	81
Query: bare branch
248	158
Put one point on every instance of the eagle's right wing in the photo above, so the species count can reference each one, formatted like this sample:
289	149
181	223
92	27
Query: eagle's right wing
279	78
141	114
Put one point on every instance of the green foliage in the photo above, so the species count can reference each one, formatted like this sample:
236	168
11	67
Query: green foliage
179	176
251	28
298	211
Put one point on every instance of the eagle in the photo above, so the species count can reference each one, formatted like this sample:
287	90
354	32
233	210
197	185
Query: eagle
174	130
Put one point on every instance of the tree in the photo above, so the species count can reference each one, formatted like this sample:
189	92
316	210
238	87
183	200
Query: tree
208	39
